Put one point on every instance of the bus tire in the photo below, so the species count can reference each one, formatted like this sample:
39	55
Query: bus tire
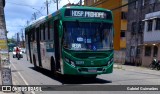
53	68
34	61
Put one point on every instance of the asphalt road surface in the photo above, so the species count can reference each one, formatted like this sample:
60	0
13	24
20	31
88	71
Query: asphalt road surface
24	73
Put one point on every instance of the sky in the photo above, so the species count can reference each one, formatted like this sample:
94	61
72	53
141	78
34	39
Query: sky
18	12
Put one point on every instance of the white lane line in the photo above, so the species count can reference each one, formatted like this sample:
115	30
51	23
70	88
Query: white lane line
22	77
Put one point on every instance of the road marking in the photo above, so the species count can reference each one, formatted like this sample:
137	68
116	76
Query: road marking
22	77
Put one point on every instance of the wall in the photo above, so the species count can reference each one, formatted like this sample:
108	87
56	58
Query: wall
150	36
146	60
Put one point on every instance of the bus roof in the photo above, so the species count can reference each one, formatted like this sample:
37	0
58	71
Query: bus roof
43	18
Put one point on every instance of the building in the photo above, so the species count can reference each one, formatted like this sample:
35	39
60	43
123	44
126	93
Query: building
151	47
137	53
120	23
3	32
2	19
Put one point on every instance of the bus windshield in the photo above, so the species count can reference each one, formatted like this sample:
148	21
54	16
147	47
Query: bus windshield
88	36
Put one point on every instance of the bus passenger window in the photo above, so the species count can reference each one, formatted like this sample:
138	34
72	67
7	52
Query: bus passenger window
44	32
51	31
33	35
48	30
40	33
35	31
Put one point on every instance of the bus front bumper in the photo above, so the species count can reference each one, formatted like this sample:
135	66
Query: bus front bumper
76	70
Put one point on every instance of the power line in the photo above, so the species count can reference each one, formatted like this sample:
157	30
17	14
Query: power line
14	26
124	5
116	7
22	4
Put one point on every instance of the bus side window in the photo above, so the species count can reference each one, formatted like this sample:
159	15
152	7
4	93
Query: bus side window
51	30
39	33
48	33
35	31
44	32
33	35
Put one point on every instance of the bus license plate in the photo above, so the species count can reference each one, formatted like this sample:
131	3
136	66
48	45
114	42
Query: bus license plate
92	70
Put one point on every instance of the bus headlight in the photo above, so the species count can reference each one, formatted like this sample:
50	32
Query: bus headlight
70	62
110	61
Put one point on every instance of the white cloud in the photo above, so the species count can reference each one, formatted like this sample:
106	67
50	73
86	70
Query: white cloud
16	15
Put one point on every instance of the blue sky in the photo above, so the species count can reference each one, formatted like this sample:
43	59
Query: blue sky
18	12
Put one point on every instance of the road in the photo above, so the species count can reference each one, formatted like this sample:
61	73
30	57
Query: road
24	73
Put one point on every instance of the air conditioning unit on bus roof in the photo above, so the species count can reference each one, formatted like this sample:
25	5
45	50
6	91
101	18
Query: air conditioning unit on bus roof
37	20
69	4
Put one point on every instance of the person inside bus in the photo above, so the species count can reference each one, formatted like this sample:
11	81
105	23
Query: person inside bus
105	40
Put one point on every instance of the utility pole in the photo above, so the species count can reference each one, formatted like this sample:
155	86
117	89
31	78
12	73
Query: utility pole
80	2
34	15
57	4
56	1
27	22
47	6
22	38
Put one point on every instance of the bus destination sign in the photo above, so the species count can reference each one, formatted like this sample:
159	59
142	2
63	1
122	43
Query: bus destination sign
87	14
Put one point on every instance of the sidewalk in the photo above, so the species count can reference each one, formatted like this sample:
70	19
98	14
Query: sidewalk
140	69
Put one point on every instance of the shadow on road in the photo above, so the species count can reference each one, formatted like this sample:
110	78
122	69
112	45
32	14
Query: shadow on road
66	79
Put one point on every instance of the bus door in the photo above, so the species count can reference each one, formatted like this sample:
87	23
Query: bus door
29	46
56	44
38	46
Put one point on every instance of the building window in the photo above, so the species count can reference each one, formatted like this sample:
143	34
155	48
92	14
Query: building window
150	25
123	15
158	24
132	50
155	51
122	33
148	51
143	2
151	1
140	26
133	26
136	5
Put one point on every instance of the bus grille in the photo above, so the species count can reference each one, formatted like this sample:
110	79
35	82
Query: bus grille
87	70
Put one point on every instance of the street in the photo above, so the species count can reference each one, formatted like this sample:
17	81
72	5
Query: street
24	73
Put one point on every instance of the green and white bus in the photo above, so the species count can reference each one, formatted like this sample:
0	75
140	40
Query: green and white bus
75	40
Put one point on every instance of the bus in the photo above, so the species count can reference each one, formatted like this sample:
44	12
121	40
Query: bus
74	40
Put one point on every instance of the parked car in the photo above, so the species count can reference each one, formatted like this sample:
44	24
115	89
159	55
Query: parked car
23	50
14	53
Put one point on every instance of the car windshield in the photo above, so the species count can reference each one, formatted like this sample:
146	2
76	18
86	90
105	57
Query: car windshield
88	36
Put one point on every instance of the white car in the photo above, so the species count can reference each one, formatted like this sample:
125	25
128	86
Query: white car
23	50
14	53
